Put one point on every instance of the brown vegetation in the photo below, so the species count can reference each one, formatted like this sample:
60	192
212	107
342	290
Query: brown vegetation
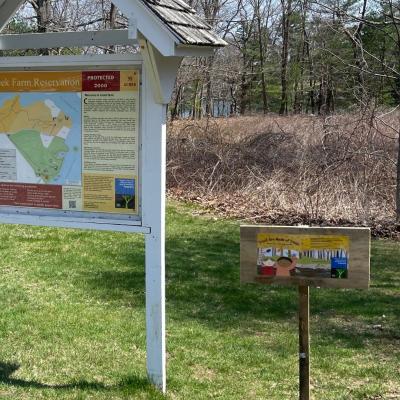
338	170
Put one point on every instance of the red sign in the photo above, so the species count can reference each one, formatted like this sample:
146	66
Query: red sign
27	195
101	81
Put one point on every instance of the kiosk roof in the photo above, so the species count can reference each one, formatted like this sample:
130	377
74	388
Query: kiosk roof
184	22
180	19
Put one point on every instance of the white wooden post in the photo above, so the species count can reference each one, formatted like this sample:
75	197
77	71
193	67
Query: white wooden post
158	82
153	214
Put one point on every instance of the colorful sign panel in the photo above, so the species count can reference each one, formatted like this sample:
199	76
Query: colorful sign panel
69	140
332	257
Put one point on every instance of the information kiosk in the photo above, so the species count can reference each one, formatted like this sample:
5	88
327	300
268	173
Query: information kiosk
83	138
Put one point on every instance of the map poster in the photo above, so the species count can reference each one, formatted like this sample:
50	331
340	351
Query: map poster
69	140
331	257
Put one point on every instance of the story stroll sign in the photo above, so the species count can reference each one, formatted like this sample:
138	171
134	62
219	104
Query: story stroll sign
83	137
304	257
323	257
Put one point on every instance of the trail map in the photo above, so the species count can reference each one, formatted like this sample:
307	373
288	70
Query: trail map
69	140
40	137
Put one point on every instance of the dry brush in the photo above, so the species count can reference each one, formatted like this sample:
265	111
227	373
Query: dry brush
339	169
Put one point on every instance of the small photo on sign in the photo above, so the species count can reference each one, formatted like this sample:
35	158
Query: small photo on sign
125	194
339	268
303	256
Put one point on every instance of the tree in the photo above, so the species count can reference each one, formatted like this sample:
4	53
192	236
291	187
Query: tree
286	20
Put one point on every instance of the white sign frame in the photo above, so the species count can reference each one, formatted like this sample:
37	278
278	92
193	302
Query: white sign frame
81	219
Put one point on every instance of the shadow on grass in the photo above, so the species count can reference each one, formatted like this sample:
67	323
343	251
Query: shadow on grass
131	384
7	369
203	284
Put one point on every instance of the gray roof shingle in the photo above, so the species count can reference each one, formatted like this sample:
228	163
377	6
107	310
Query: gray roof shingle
183	21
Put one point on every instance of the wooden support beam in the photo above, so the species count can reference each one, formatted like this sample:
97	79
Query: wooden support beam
162	71
67	62
66	39
153	215
150	27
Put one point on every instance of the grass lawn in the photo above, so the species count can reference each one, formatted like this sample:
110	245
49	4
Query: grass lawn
72	320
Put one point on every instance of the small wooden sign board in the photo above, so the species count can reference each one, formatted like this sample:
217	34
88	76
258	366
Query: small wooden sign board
322	257
303	256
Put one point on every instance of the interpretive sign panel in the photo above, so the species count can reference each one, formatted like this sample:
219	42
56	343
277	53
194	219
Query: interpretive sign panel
69	140
330	257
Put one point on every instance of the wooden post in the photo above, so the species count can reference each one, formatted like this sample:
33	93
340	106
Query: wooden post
304	342
158	82
153	215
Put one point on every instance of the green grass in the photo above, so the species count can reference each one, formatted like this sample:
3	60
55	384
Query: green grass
72	322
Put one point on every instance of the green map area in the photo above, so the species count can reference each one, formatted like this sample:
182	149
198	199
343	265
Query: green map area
45	161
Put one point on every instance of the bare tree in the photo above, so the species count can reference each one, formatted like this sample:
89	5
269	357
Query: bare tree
286	19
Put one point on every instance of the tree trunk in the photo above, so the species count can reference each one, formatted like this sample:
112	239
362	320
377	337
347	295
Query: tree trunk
398	181
209	94
244	85
262	63
175	110
200	113
194	100
301	53
112	21
286	14
244	94
43	14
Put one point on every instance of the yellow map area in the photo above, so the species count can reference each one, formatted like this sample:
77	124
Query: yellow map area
37	116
